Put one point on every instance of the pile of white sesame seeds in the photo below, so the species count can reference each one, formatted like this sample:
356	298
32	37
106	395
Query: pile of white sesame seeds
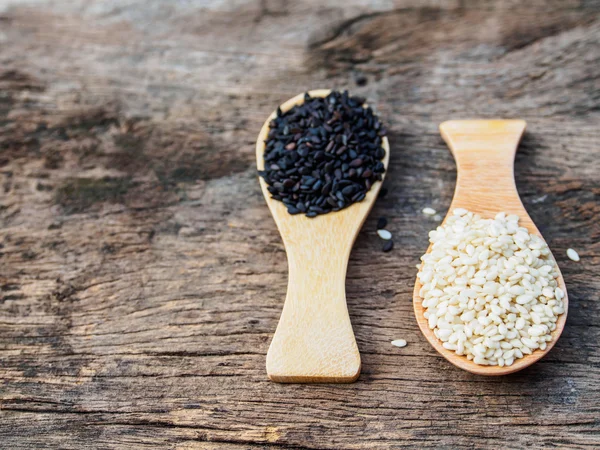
489	288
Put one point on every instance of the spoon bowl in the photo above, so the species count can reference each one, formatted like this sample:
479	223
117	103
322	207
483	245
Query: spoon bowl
314	341
484	151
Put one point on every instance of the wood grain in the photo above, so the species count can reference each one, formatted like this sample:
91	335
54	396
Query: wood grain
314	341
484	151
142	276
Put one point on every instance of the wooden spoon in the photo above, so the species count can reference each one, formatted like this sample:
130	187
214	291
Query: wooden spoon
484	151
314	342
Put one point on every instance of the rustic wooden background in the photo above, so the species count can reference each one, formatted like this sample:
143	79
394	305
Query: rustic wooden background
142	277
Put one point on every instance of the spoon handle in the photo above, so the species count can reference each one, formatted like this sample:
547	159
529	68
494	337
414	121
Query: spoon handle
484	151
314	341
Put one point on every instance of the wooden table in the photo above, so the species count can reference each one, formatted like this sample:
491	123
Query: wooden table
142	277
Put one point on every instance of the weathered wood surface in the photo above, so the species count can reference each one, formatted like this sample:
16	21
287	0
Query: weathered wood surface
142	276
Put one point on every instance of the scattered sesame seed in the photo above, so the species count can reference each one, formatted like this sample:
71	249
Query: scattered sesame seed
429	211
399	343
437	217
384	234
381	223
572	254
388	246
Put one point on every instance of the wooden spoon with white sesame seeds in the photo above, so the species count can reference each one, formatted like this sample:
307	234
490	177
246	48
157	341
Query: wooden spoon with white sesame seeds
314	341
484	151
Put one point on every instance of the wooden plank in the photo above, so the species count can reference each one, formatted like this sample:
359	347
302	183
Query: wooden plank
142	277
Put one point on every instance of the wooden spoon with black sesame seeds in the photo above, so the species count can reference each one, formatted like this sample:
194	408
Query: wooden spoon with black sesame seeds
314	341
484	151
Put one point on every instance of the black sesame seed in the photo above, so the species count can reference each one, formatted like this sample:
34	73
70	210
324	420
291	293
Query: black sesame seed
348	190
381	223
341	150
361	80
358	197
388	245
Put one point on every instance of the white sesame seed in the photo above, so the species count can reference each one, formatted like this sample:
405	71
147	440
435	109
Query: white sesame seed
384	234
399	343
572	254
429	211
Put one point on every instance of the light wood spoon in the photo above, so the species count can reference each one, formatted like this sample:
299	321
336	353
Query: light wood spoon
484	151
314	342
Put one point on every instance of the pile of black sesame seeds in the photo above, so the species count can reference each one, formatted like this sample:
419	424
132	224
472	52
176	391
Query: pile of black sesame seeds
323	155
